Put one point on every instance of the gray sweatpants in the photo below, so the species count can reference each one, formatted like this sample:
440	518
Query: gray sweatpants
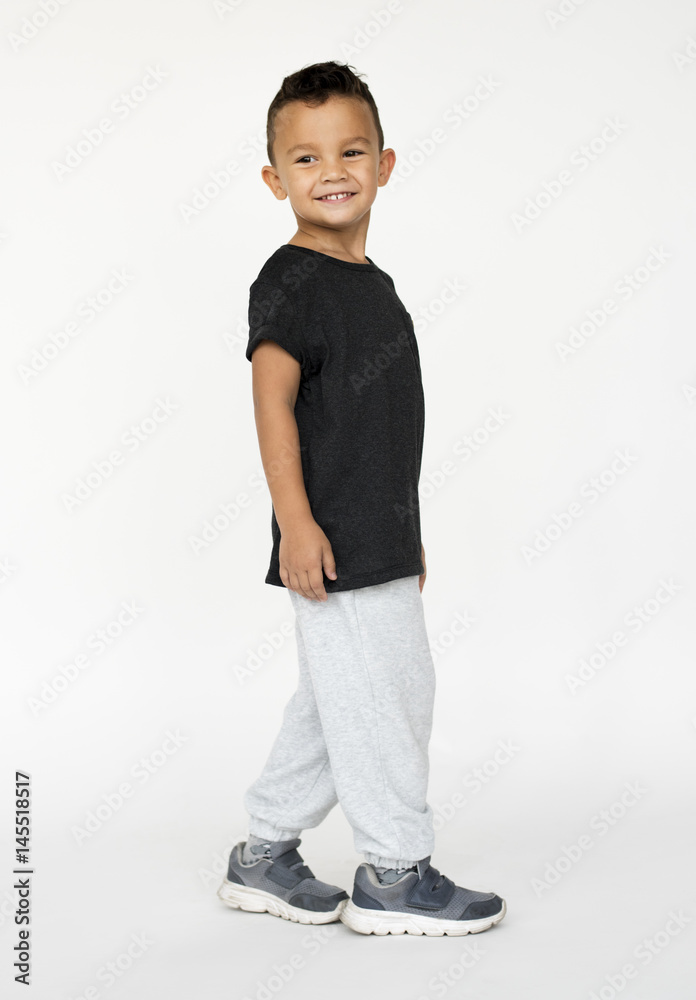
356	730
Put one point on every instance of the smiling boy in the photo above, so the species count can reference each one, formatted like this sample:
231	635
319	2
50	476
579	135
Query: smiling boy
340	412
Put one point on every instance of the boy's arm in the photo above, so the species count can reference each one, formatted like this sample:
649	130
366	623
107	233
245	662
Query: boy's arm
305	551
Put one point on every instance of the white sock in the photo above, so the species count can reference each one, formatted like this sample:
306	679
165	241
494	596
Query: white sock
255	848
387	876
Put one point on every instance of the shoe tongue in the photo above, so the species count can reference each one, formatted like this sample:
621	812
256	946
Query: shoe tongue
423	866
281	847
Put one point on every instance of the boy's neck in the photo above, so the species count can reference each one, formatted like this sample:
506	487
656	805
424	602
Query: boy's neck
352	251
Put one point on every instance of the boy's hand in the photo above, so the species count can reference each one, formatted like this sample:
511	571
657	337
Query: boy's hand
305	553
421	578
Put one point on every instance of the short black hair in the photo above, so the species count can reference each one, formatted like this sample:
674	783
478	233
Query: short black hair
314	85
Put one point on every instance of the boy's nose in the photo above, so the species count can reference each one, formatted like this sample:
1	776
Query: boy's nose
333	169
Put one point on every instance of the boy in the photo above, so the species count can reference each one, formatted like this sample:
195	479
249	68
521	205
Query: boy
339	411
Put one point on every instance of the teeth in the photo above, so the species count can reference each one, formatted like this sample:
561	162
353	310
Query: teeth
334	197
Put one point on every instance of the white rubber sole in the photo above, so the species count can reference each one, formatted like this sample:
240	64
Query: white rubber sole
383	922
244	897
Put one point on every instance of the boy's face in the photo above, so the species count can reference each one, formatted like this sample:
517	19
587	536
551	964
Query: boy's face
324	150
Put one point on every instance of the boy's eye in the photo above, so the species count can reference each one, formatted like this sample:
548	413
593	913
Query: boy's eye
302	159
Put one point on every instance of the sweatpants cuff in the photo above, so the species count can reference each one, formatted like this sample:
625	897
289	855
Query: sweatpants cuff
259	828
379	862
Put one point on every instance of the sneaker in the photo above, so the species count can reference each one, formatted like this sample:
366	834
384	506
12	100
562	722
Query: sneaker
421	902
282	885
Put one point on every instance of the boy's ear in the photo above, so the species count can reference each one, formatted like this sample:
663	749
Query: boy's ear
274	182
386	165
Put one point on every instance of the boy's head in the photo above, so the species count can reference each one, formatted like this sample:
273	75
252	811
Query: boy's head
314	85
324	137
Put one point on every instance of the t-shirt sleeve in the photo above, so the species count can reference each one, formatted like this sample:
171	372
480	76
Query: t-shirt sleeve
272	317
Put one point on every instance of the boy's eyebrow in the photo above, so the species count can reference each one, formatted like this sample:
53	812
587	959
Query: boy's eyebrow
310	145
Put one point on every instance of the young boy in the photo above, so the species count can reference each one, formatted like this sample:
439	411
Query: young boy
339	411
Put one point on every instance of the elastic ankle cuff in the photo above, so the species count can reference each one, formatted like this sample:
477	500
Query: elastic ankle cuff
258	828
380	862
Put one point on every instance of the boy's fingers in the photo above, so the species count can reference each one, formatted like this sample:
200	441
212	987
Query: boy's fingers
316	584
301	587
293	583
307	586
329	563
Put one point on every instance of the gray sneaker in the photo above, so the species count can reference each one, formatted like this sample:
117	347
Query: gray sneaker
282	885
421	902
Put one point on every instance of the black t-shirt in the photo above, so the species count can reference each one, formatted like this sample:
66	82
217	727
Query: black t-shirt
360	408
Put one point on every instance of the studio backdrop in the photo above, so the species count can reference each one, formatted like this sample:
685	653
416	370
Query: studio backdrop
539	228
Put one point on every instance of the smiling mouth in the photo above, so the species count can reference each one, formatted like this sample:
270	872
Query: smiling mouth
338	197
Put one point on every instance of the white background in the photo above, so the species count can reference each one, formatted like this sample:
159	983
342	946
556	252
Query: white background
466	206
